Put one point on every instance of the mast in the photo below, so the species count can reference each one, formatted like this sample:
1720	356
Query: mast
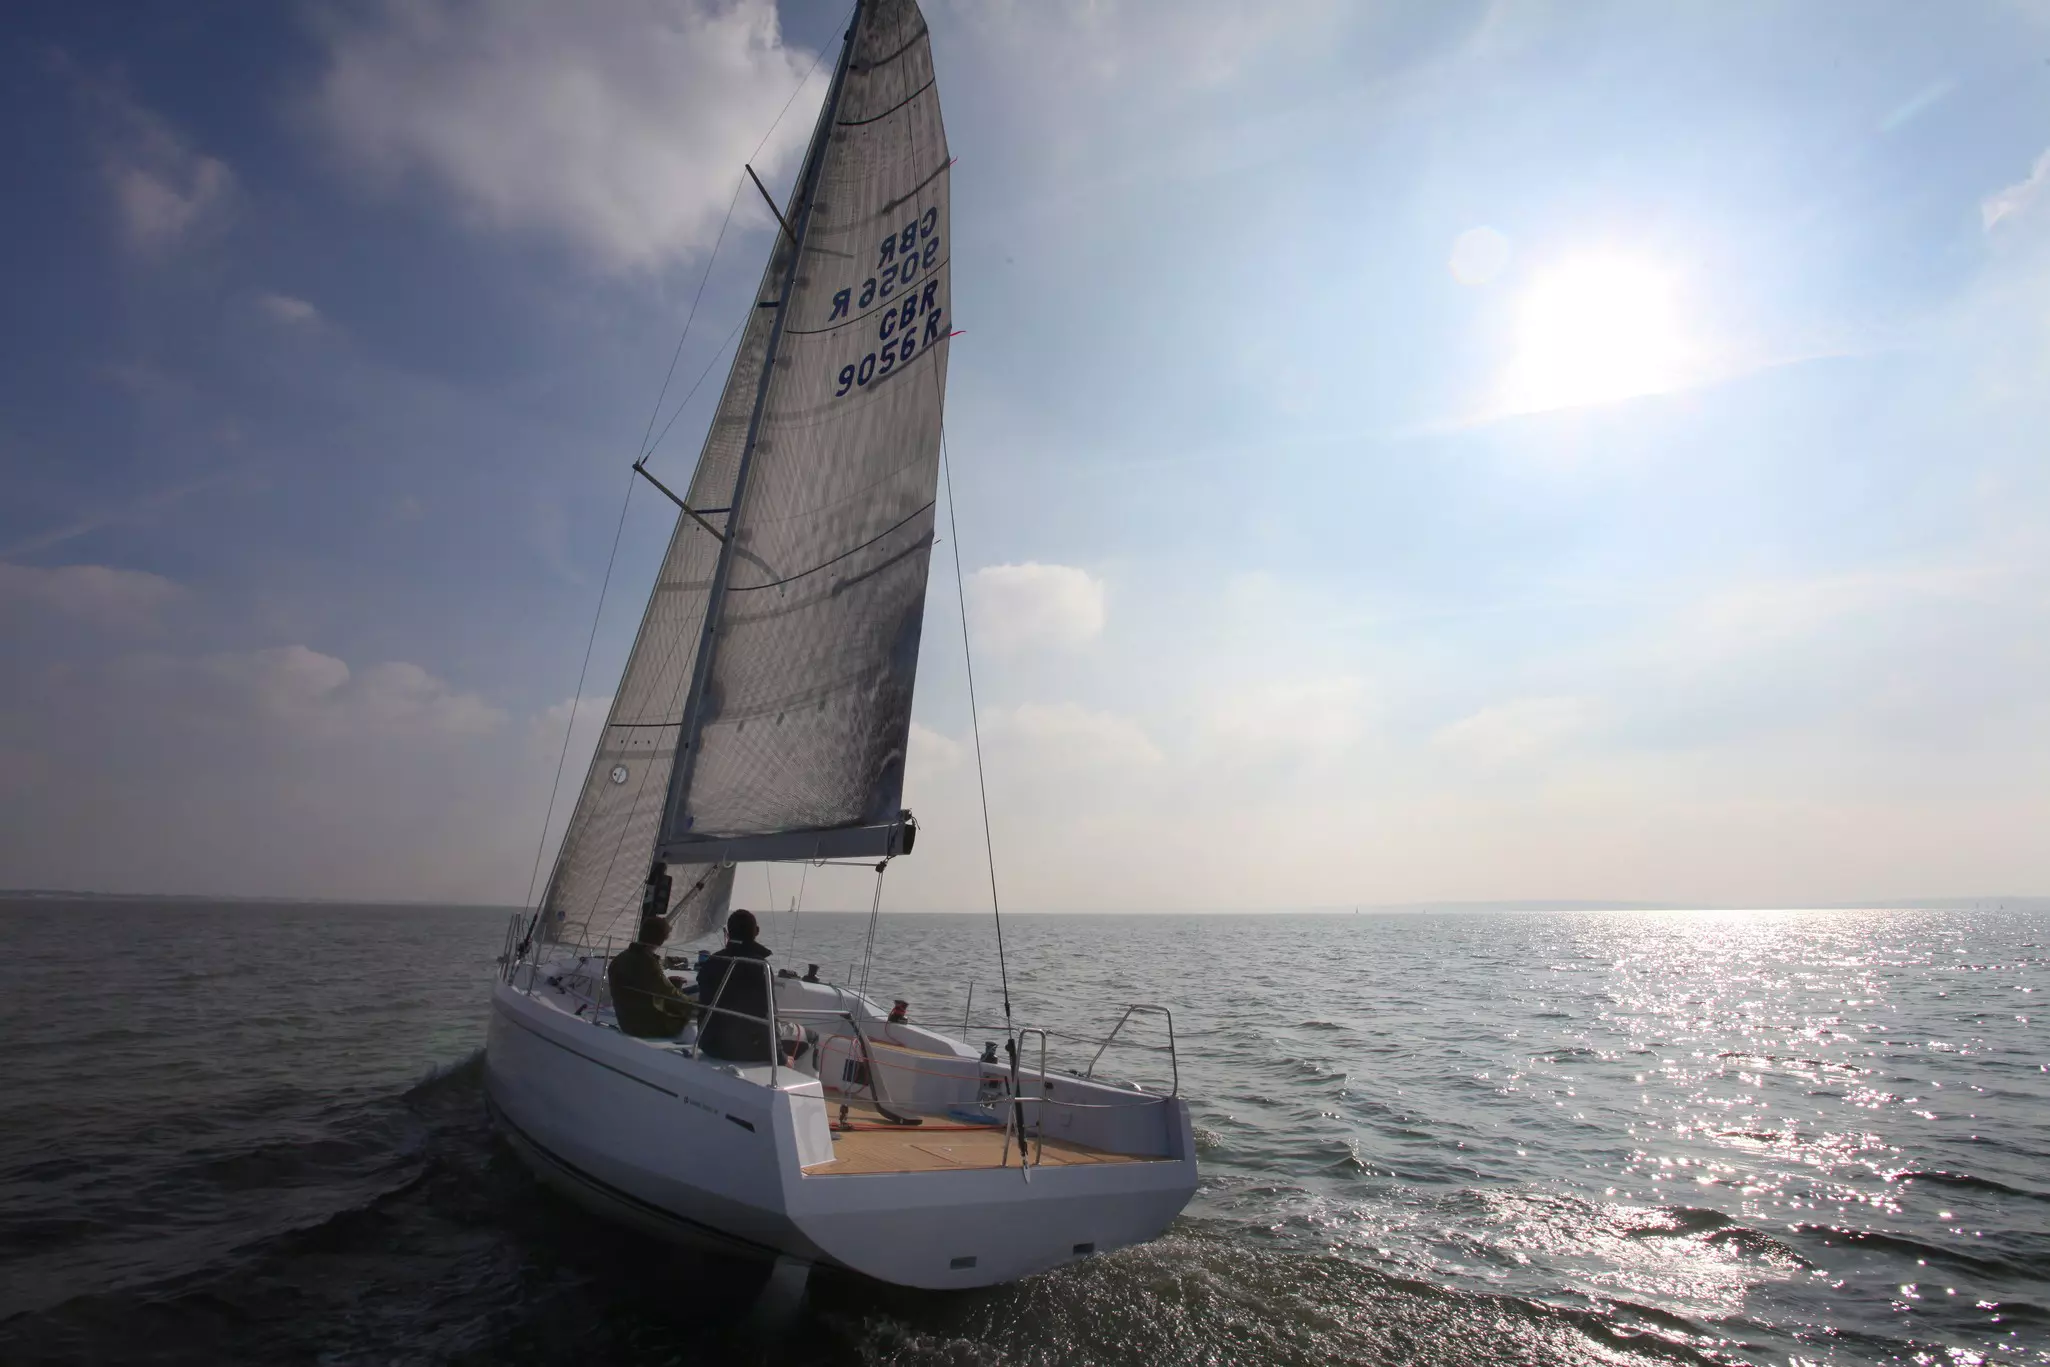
693	712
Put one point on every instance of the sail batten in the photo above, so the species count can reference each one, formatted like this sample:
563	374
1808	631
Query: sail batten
765	707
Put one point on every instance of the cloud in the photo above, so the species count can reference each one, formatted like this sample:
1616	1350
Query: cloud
1066	736
930	752
95	594
2016	199
165	190
1514	731
545	733
1291	718
1748	616
1204	43
282	771
309	694
618	130
136	512
1022	607
288	310
1917	105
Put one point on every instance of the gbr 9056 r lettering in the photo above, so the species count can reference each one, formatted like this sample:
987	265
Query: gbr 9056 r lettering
913	316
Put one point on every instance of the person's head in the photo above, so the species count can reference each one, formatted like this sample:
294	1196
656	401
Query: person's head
654	930
741	926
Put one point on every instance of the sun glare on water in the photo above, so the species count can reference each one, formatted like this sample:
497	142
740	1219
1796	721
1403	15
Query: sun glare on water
1593	330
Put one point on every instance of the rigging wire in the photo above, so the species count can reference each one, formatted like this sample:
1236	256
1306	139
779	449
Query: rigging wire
875	909
541	845
663	393
975	724
684	403
612	559
710	260
974	714
797	910
731	204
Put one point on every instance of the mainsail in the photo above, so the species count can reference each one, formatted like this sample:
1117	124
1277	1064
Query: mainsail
765	707
803	702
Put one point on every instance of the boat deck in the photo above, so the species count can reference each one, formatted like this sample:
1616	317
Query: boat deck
940	1145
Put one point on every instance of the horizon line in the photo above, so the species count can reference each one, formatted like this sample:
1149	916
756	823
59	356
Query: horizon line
2022	901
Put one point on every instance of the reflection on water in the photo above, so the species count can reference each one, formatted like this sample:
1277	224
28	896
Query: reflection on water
1796	1132
1573	1138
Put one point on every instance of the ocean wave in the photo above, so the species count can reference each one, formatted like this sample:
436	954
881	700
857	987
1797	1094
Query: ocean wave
1966	1181
457	1073
1906	1246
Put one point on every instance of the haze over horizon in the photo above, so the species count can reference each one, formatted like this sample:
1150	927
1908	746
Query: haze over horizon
1472	453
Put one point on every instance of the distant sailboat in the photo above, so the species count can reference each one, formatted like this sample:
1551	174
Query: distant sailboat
762	717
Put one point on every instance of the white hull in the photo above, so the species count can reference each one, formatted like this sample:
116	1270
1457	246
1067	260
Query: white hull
692	1148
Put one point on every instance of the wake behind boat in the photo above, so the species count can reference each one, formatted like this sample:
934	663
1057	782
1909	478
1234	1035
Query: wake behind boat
762	718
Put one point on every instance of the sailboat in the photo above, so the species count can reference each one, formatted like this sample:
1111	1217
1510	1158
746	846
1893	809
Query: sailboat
762	718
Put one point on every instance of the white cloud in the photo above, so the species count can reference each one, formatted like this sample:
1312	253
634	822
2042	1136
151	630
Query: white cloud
930	752
288	310
95	594
278	771
1065	736
311	694
1291	718
1750	615
2016	199
138	511
1020	607
1513	731
1205	43
165	190
401	696
545	732
617	129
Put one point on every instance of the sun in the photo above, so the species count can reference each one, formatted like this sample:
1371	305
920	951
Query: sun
1595	329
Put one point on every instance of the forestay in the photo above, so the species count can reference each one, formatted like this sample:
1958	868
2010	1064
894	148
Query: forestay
806	700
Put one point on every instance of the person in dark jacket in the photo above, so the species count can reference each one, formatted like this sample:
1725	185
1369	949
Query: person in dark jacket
737	979
644	1001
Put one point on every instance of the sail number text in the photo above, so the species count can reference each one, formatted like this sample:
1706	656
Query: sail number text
916	318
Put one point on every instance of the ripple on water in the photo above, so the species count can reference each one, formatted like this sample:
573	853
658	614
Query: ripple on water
1561	1138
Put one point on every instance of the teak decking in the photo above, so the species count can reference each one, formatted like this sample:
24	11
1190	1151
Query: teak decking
941	1146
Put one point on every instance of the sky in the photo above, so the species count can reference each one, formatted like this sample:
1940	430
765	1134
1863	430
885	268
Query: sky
1468	451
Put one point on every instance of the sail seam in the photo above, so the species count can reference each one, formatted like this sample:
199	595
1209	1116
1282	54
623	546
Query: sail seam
827	564
877	118
841	586
816	509
867	67
915	190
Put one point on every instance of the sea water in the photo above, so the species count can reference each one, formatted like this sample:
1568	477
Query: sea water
255	1132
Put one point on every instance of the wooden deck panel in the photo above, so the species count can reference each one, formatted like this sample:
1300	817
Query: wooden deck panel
942	1146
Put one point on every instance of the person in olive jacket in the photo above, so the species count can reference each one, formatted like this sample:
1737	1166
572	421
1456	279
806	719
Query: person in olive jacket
646	1004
